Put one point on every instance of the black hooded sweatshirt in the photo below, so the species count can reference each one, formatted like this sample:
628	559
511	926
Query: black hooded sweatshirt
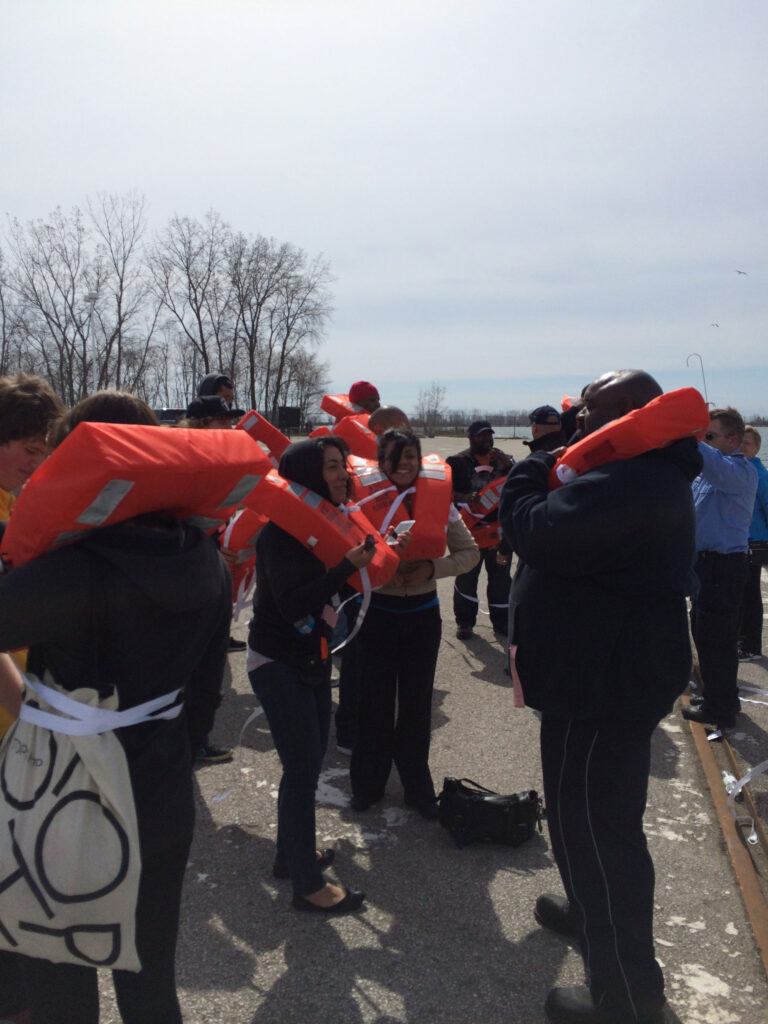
144	610
292	585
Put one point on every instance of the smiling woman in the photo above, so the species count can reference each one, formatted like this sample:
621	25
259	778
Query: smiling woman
399	642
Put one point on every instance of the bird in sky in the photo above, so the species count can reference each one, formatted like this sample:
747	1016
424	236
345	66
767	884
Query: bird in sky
742	272
714	325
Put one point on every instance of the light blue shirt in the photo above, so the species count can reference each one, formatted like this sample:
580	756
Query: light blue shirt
759	528
724	498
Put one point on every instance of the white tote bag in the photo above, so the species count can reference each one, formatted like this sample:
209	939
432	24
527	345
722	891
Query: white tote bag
69	843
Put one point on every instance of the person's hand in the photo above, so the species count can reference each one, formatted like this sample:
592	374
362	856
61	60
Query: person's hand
501	558
474	496
360	556
559	452
398	541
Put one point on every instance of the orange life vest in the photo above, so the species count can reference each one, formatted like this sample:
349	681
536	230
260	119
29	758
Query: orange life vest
354	431
323	528
340	406
239	536
668	418
105	473
486	535
381	502
260	429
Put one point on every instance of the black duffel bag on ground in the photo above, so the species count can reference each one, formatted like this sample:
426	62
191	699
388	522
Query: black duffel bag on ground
474	814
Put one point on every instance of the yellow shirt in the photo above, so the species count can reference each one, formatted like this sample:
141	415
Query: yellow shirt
6	504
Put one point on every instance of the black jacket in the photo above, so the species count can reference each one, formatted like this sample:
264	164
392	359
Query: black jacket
140	609
598	608
292	588
547	442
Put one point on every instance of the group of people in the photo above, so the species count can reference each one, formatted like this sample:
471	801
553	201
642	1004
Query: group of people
595	621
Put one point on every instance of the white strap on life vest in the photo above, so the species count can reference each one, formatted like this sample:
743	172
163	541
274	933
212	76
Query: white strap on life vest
366	581
245	590
361	614
393	508
85	720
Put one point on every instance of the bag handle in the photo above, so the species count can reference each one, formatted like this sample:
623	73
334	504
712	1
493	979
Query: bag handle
478	786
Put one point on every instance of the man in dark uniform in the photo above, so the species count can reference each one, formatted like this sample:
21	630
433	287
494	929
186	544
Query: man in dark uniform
472	470
546	431
599	628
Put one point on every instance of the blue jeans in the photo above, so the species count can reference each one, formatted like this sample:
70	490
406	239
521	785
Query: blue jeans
299	717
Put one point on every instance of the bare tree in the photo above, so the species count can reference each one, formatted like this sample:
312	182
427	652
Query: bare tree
429	406
125	310
306	381
85	304
188	262
256	268
297	319
81	297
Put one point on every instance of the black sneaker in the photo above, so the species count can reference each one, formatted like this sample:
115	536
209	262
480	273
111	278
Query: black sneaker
554	913
237	645
575	1006
464	633
212	755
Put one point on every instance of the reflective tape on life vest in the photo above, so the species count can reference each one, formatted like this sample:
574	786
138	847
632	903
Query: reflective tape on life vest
105	473
340	406
260	429
666	419
327	530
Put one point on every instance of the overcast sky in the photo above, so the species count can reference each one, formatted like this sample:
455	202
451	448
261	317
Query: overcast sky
513	196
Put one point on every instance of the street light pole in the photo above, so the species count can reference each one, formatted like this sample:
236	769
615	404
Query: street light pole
703	378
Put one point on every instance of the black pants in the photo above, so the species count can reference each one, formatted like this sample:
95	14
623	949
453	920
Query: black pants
68	993
751	624
715	627
465	601
595	787
399	656
12	996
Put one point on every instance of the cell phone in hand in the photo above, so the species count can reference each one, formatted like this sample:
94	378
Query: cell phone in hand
406	524
370	542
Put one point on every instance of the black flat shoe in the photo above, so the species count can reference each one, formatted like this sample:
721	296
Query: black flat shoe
554	913
280	869
575	1006
352	901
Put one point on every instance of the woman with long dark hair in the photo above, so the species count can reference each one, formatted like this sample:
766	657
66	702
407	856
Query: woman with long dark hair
398	646
289	666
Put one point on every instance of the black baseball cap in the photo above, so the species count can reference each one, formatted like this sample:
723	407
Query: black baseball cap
545	415
478	426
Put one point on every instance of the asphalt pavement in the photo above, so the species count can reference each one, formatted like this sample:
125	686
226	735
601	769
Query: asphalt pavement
448	935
